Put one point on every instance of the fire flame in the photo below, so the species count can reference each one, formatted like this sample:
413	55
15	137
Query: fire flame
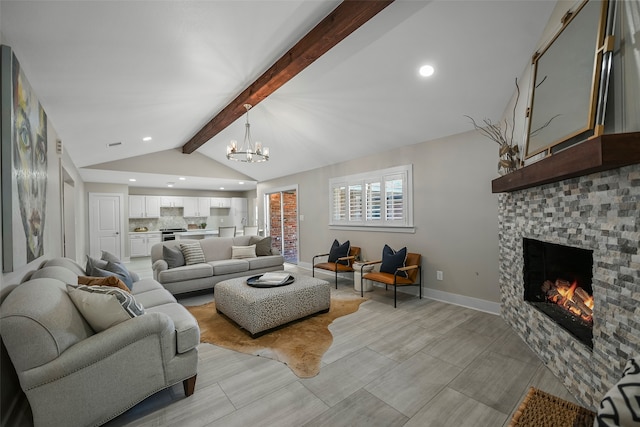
566	294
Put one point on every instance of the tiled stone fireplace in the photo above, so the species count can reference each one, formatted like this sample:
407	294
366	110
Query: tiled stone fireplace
598	212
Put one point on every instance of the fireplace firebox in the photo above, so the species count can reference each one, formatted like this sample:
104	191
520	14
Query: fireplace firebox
558	282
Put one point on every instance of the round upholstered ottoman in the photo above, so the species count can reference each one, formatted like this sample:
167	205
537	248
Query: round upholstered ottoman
259	309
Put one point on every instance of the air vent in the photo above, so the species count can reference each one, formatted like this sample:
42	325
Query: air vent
114	144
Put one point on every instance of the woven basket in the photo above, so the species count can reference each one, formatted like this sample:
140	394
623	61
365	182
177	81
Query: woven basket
540	409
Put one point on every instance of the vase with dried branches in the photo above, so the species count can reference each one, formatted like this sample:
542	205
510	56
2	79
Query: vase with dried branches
502	133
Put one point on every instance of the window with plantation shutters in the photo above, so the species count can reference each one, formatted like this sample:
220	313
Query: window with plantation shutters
339	203
355	202
394	198
374	199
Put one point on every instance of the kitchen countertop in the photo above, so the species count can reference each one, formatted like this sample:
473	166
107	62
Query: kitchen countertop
201	232
145	232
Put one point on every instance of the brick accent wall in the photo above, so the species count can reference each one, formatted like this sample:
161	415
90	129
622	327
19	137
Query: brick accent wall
600	212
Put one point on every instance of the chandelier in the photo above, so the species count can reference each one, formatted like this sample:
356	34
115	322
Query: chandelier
248	151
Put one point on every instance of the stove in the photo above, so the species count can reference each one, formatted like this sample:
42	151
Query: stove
168	233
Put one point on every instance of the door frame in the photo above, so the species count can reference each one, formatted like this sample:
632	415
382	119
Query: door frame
265	204
68	208
92	236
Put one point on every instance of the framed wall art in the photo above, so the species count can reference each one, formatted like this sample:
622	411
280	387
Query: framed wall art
23	132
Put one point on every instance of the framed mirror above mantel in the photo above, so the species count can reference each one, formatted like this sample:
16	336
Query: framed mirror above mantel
570	81
597	154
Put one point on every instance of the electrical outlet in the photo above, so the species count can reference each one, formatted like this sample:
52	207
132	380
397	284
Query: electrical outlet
439	275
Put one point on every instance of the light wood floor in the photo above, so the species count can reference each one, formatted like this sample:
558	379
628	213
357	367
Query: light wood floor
425	363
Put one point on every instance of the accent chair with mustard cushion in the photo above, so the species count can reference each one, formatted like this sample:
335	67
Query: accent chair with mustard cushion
397	268
340	259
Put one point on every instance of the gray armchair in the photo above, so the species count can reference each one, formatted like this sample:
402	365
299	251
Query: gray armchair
73	376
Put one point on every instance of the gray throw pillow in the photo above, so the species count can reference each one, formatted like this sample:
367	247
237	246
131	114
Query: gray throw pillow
103	268
93	263
263	245
118	269
173	256
192	253
108	256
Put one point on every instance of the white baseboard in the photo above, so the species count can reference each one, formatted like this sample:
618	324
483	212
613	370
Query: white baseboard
450	298
464	301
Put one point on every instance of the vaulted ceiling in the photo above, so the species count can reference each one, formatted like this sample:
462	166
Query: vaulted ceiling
110	72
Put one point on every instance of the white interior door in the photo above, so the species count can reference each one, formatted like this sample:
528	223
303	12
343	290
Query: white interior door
106	219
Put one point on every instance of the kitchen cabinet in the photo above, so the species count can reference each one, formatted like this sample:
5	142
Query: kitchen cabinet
220	202
239	212
171	202
144	206
196	207
140	244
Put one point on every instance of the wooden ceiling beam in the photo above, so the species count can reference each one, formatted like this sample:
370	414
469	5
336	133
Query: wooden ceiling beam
342	21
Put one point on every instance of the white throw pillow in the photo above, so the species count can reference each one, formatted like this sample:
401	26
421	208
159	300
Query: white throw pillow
192	253
240	252
102	306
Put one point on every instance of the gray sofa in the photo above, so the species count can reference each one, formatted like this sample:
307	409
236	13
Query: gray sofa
73	376
218	266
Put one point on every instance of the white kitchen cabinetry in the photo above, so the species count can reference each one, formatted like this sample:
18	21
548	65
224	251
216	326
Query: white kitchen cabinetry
171	202
220	202
239	212
140	244
144	206
196	206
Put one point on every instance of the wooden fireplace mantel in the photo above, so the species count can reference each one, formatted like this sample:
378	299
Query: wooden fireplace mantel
598	154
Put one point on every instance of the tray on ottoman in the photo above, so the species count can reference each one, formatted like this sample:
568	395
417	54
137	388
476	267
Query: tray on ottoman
258	310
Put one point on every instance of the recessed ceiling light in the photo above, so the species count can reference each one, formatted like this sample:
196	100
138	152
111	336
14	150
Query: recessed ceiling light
132	179
182	178
426	70
170	184
241	183
222	188
147	138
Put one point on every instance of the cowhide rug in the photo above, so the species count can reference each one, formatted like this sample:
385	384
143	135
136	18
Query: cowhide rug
300	344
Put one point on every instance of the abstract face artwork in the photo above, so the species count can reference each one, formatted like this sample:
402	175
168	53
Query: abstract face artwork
29	161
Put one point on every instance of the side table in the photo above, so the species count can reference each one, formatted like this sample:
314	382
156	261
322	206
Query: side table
367	285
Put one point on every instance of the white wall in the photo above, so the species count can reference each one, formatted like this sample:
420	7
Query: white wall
455	214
